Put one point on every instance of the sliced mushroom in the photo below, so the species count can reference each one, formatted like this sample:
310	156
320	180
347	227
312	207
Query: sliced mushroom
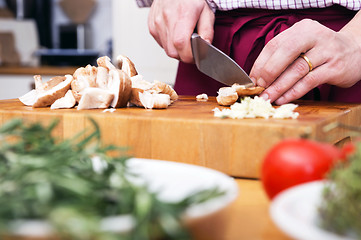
162	87
139	85
95	98
68	101
105	62
29	98
125	64
120	84
42	87
83	78
102	78
242	91
154	100
227	96
46	98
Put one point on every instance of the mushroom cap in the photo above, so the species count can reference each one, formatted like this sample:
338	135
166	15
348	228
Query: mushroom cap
125	64
242	91
105	62
161	87
46	98
227	96
42	87
120	84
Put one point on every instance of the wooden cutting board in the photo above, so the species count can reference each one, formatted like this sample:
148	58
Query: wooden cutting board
188	132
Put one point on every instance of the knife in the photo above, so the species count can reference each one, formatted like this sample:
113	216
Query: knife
216	64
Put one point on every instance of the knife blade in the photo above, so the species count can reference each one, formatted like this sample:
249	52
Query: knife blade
216	64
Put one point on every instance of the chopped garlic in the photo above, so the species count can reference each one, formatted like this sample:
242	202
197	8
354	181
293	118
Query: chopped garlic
202	97
109	110
257	107
286	111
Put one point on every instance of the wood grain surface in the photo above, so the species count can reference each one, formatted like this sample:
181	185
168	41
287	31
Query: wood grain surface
188	132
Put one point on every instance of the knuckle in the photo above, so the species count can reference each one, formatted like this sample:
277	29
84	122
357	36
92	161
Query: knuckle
278	89
310	81
267	74
308	23
301	67
273	44
172	53
293	93
158	21
179	42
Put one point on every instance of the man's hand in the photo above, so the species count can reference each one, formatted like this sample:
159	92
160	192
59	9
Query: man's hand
335	58
172	22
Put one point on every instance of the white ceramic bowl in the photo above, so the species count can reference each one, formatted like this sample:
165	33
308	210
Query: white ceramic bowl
173	181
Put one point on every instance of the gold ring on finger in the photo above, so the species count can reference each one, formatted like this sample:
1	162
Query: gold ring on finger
310	66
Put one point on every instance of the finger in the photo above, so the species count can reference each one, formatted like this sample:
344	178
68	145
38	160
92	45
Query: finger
296	71
280	52
303	86
183	30
152	26
182	39
205	25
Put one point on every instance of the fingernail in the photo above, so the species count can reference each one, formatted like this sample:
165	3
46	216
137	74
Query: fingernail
261	82
254	80
280	101
264	96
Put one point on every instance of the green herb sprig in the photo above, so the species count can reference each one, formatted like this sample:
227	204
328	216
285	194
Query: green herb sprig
45	178
340	211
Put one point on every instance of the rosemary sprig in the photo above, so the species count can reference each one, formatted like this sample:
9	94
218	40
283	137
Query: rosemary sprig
340	211
42	177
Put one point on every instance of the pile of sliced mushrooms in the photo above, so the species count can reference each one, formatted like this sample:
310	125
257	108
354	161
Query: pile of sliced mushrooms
105	86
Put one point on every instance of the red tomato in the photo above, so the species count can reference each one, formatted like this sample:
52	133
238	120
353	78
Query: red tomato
295	161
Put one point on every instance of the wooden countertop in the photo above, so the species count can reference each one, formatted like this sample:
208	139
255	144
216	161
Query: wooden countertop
41	70
247	218
249	215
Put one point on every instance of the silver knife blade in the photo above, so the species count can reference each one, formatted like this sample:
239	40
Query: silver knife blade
216	64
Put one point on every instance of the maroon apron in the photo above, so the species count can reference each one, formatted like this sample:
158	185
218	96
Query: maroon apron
243	33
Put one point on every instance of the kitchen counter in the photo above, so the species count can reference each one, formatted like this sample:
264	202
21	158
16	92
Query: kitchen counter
249	217
41	70
17	80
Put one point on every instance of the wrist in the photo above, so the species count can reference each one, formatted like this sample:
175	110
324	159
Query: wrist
352	29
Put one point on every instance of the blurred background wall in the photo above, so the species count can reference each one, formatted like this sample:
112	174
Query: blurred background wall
132	38
39	33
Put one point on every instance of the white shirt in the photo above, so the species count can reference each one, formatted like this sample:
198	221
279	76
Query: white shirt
224	5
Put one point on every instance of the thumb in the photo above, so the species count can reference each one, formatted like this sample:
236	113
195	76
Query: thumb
205	25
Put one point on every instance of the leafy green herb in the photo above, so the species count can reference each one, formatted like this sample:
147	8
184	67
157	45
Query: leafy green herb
340	210
45	178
